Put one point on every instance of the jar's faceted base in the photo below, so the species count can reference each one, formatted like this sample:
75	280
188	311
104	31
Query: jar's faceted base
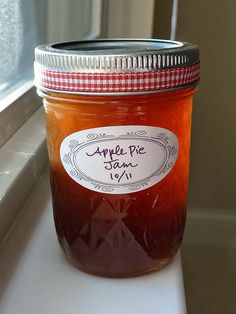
161	264
119	268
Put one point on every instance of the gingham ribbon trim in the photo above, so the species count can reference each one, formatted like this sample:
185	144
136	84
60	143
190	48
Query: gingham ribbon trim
119	82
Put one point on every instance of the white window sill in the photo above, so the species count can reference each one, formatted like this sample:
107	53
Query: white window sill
17	105
22	160
36	278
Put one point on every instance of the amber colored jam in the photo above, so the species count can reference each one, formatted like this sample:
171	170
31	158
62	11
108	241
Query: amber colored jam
119	235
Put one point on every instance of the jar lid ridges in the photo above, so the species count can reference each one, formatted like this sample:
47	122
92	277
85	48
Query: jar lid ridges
114	57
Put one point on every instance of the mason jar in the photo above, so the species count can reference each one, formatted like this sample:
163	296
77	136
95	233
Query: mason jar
118	118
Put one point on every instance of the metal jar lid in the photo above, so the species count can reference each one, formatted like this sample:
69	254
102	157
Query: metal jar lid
116	66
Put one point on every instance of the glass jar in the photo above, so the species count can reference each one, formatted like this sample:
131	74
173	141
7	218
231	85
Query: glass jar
118	116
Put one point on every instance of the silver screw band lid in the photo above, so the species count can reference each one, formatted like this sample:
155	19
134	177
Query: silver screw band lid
70	62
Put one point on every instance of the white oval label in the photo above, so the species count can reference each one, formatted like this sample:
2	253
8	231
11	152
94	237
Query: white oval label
119	159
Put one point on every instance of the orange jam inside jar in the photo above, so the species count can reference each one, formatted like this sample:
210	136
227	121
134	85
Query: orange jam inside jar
118	116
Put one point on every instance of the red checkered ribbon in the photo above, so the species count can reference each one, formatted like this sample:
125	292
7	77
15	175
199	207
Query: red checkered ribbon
120	81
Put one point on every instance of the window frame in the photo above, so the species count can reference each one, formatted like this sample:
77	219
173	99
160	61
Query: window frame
16	108
23	151
20	102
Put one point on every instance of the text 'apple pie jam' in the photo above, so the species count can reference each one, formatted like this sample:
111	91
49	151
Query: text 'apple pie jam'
118	116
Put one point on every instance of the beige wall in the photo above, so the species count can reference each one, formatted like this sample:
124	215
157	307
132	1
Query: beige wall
212	25
130	18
